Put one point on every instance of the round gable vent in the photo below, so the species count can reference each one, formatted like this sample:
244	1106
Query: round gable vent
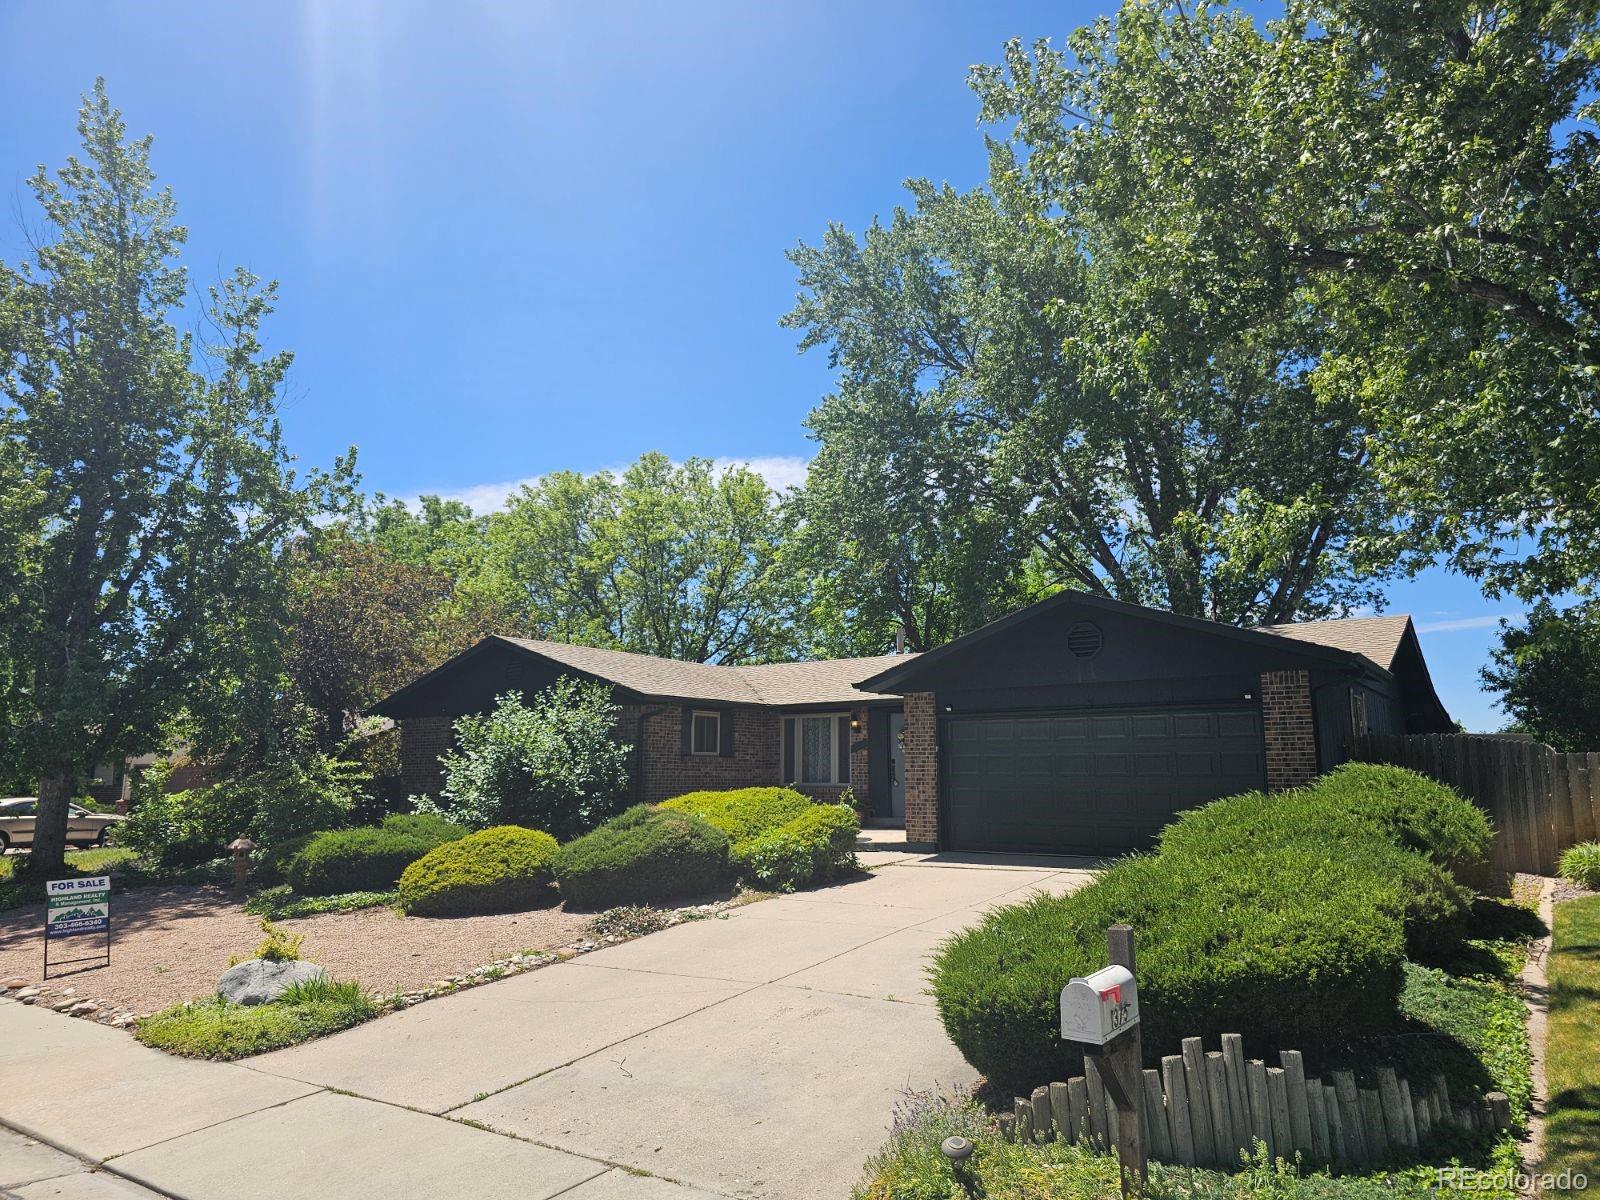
1085	640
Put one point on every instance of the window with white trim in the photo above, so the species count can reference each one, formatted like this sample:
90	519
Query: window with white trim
705	733
820	746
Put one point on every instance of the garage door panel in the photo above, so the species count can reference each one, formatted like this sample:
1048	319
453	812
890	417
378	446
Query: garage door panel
1093	783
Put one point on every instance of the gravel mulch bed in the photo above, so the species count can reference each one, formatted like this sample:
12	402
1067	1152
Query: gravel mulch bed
171	944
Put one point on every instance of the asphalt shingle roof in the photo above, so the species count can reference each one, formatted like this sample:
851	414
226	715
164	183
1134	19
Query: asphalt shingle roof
1378	638
830	681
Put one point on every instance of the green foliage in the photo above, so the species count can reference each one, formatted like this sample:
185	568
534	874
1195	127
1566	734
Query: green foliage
676	560
277	946
1408	828
145	490
496	870
1409	190
1544	670
1009	421
1284	918
645	856
216	1029
1287	947
1474	1031
551	762
280	903
816	846
1580	864
742	813
911	1167
780	839
277	804
1572	1068
369	859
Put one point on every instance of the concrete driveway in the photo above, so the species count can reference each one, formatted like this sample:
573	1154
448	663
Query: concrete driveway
753	1055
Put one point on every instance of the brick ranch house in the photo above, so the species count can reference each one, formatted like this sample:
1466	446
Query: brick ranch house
1075	725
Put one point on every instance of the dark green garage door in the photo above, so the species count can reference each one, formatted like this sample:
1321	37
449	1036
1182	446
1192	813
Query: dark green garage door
1091	783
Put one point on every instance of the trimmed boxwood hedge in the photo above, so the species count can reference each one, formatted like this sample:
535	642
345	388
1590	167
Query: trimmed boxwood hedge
502	869
646	855
812	848
1283	918
368	859
743	813
780	838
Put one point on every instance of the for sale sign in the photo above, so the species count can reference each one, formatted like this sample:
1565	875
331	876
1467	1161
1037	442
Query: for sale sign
75	906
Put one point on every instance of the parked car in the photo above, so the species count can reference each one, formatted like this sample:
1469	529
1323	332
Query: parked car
84	828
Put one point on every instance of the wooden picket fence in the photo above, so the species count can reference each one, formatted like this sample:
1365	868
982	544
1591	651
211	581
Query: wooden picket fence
1206	1109
1539	800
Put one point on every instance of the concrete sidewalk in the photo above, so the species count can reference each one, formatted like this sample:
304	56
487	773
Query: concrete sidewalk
754	1055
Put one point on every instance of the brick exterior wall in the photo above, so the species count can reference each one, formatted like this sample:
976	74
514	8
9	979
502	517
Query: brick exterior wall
756	761
422	741
669	772
1288	728
922	769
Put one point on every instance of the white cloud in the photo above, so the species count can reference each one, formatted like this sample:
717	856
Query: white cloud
1460	623
781	471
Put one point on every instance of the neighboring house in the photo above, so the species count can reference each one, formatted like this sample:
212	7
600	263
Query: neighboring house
1076	725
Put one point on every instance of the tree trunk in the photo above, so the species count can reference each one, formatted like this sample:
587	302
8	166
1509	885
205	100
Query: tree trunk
50	826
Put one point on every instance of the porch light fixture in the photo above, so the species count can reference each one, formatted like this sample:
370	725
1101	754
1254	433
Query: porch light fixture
855	725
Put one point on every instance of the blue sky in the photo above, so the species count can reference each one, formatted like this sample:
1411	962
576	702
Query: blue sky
513	238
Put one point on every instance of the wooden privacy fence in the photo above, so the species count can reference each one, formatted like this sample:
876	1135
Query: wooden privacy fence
1207	1109
1540	800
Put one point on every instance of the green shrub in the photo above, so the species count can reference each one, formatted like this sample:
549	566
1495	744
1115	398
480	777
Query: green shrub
1287	947
815	846
779	838
270	806
216	1029
645	856
1580	864
552	762
281	904
496	870
1406	828
743	813
366	860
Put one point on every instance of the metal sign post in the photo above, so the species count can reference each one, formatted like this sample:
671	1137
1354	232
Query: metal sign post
1102	1011
74	907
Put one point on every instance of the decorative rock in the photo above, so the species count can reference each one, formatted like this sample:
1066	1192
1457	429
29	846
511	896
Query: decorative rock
257	981
16	981
28	995
83	1008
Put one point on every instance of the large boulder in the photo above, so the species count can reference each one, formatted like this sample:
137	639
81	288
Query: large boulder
258	981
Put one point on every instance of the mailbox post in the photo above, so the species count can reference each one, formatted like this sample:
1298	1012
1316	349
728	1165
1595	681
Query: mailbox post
1102	1011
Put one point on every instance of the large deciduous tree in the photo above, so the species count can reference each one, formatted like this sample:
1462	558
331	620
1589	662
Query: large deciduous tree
1423	178
676	560
145	493
1544	670
1012	416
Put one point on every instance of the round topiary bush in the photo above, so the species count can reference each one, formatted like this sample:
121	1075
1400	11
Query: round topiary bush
1580	864
497	870
368	859
645	856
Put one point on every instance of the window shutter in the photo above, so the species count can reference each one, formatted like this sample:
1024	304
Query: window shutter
688	731
789	775
843	743
726	727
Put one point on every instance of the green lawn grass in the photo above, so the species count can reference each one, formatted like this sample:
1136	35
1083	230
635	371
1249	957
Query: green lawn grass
1572	1063
217	1029
14	892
